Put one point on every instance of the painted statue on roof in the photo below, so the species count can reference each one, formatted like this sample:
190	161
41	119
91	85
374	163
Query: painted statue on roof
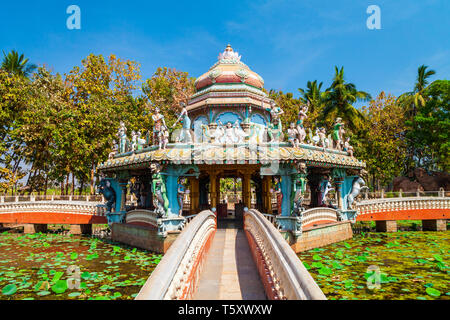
300	122
185	135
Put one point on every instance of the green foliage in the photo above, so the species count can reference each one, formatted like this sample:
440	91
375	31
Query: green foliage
429	129
338	100
381	143
17	64
166	89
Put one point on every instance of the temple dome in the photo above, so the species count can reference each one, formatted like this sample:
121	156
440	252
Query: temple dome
229	69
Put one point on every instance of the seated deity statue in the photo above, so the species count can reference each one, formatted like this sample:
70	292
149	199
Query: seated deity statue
348	148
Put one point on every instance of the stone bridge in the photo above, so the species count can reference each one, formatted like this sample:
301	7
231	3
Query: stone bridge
432	210
35	212
254	262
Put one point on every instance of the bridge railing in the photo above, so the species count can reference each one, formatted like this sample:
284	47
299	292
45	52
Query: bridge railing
33	198
281	271
53	206
397	204
366	195
176	276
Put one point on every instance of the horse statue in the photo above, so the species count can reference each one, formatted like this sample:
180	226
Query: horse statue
358	185
108	193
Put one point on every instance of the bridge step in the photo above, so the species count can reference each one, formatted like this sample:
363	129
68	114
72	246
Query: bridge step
229	272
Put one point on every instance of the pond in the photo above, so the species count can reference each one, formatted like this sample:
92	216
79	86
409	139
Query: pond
56	266
389	266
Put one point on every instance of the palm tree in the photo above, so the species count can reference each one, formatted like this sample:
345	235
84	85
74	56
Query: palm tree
416	99
312	94
17	64
411	102
338	100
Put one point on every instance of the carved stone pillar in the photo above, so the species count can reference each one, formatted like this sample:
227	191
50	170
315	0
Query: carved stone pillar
338	186
123	199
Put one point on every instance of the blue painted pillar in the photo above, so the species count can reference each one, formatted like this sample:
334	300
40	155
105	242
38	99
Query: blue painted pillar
172	189
286	186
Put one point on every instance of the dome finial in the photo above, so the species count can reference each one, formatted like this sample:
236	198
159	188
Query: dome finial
229	54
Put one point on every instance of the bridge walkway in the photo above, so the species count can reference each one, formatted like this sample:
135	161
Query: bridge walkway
229	271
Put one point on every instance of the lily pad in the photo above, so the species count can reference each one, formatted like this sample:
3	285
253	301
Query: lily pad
9	289
433	292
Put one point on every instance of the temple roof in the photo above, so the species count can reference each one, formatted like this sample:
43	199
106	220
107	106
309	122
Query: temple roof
229	81
240	154
229	69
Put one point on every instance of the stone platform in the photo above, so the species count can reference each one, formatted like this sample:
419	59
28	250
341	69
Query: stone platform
319	236
142	237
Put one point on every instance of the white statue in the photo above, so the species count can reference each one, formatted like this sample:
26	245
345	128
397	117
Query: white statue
163	137
159	122
122	135
358	185
292	135
300	125
348	148
239	133
134	142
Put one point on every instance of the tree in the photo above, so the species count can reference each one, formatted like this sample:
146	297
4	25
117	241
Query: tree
412	102
17	64
429	129
381	142
416	98
100	93
314	96
14	95
289	104
338	100
166	89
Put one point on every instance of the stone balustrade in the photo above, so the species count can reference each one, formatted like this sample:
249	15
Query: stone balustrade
176	276
70	198
398	204
281	271
319	215
78	207
148	217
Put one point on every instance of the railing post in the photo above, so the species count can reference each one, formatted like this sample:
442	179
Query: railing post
441	192
2	199
382	193
400	193
53	198
70	198
17	199
418	192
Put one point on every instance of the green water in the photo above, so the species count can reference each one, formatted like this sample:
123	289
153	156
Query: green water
55	266
406	265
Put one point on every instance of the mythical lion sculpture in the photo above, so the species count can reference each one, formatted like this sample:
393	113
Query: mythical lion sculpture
108	193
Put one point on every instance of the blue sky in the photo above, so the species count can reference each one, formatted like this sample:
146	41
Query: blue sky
286	42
